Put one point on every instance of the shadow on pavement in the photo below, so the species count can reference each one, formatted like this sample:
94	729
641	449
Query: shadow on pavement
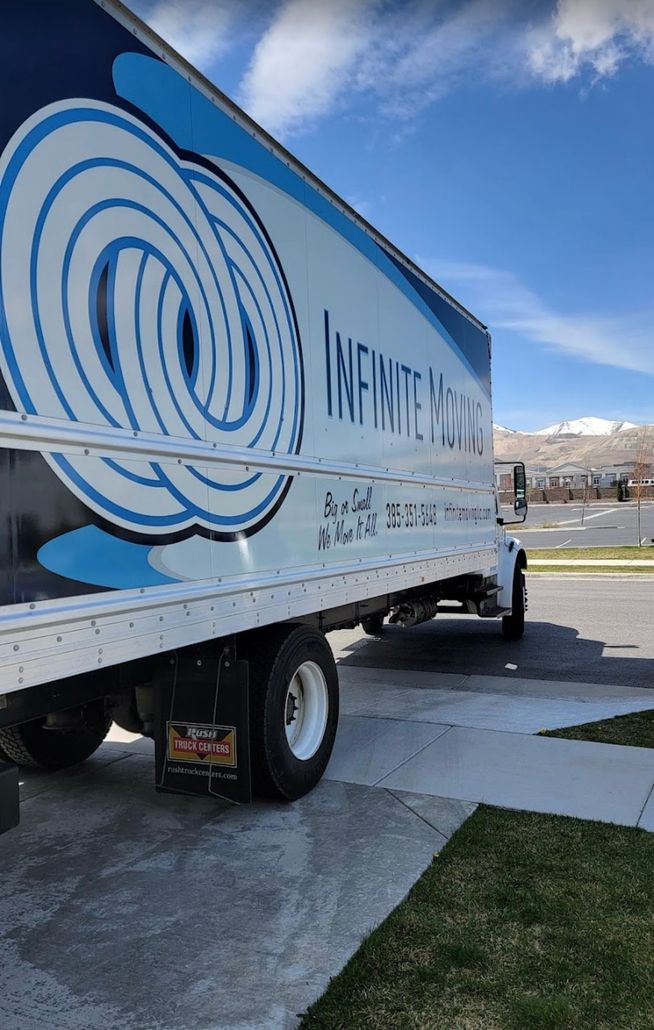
472	647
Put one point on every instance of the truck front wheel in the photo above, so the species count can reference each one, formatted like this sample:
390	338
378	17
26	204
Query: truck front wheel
58	741
513	625
293	710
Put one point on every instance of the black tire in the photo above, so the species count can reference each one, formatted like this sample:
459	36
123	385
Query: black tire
373	624
275	655
513	625
34	746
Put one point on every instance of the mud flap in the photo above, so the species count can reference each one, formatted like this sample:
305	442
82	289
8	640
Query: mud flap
8	796
202	744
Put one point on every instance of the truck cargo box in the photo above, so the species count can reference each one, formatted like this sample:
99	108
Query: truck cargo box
226	401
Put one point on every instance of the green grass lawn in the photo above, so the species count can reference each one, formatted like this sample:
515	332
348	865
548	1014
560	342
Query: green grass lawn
523	921
596	553
576	570
590	570
636	730
614	553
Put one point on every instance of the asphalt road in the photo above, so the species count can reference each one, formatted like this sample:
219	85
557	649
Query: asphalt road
604	525
592	630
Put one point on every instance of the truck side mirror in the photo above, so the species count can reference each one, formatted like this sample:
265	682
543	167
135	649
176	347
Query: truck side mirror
520	490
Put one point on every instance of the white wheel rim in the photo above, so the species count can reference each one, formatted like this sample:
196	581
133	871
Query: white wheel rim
305	710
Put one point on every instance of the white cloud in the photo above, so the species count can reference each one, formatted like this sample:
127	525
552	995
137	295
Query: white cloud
422	50
304	60
595	35
501	300
198	29
316	56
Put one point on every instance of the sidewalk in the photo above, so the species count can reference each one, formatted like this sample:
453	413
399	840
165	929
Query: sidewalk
472	739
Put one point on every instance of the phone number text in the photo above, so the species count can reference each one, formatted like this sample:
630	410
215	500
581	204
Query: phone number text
408	516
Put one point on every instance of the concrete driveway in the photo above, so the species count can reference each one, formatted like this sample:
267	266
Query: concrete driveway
122	908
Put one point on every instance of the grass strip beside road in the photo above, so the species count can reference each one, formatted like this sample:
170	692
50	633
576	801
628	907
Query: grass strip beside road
612	553
576	570
523	921
635	730
620	553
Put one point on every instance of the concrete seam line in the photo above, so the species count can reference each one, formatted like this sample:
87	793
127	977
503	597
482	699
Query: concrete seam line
651	792
415	753
417	814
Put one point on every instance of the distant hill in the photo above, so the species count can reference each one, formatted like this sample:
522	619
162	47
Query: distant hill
589	441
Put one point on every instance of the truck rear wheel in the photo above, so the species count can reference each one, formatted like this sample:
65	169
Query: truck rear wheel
293	710
513	625
39	746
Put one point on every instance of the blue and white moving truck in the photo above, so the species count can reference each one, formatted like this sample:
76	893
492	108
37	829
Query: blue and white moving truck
230	410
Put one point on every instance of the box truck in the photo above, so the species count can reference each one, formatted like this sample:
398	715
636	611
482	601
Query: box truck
233	417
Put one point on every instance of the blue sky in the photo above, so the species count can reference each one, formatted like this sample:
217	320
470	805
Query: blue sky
505	146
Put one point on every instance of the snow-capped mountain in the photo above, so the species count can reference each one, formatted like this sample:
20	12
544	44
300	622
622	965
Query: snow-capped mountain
502	429
591	441
588	426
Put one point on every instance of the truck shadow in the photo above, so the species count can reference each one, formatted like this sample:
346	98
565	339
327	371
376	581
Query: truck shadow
461	645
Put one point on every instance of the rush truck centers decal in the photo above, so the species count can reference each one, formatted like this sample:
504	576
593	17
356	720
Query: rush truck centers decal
201	742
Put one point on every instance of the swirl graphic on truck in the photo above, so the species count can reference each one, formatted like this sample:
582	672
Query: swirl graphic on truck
140	290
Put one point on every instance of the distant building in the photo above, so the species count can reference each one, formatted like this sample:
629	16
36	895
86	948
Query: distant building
611	475
571	475
536	477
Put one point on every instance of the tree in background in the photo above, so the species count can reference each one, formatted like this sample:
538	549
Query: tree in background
588	480
642	471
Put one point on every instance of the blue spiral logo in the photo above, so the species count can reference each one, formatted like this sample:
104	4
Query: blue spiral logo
140	290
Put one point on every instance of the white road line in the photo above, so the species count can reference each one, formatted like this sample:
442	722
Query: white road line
555	529
597	515
564	543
